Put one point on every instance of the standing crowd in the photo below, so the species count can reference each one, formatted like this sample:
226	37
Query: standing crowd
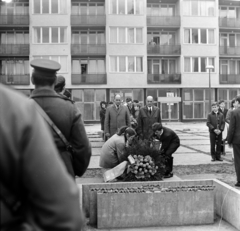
122	122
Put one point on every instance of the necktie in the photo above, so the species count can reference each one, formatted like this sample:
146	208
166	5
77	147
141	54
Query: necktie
150	110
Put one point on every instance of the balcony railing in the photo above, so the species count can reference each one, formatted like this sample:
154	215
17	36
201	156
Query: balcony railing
229	22
94	49
14	20
164	49
15	79
226	50
164	78
166	21
89	78
229	79
88	20
14	49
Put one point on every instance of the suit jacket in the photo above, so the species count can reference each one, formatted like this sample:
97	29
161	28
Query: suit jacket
115	119
170	141
224	112
234	127
215	121
131	111
68	119
145	121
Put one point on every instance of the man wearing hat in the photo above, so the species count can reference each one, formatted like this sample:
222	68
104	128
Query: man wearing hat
64	115
60	87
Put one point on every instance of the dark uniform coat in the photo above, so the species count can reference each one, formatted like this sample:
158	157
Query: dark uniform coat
115	119
234	139
67	118
145	121
30	167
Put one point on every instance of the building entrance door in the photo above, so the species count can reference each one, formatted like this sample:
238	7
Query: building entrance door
169	111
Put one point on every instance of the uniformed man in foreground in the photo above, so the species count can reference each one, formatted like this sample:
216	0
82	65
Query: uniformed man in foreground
35	189
64	114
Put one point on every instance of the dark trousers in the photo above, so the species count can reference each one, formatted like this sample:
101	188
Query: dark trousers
169	165
215	143
236	152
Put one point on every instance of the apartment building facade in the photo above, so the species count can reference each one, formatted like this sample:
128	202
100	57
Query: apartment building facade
132	47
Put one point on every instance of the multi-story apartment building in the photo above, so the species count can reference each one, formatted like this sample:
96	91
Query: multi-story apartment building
132	47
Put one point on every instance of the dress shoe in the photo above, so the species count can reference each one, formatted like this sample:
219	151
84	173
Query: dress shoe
213	159
219	159
168	175
237	184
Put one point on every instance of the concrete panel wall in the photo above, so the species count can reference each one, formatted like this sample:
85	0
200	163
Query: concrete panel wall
227	203
199	80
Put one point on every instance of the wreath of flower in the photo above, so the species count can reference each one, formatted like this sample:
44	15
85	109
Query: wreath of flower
149	162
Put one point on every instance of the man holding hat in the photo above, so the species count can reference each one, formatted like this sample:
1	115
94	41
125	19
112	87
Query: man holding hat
64	114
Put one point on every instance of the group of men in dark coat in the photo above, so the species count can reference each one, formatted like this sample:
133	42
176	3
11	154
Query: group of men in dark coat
118	115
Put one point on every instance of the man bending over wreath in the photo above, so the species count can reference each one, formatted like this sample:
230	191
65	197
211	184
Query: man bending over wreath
169	143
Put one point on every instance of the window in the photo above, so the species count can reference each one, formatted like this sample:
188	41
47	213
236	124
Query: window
87	8
161	38
199	8
195	103
49	7
16	37
88	66
199	36
198	64
229	67
14	67
229	12
130	7
162	66
126	35
60	59
130	64
50	35
14	9
160	10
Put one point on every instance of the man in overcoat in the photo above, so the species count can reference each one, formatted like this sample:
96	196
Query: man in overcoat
117	116
234	138
148	115
33	181
64	115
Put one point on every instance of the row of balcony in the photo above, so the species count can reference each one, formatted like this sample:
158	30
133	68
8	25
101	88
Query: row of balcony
102	79
100	20
100	49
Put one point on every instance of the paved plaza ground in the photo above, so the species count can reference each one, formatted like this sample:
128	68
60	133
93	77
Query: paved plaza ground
191	161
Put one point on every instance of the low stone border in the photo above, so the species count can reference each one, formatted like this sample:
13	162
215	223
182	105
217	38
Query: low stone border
227	203
226	198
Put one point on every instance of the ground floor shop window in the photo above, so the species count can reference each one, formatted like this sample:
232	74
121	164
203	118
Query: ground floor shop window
196	103
88	102
227	95
169	111
135	94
